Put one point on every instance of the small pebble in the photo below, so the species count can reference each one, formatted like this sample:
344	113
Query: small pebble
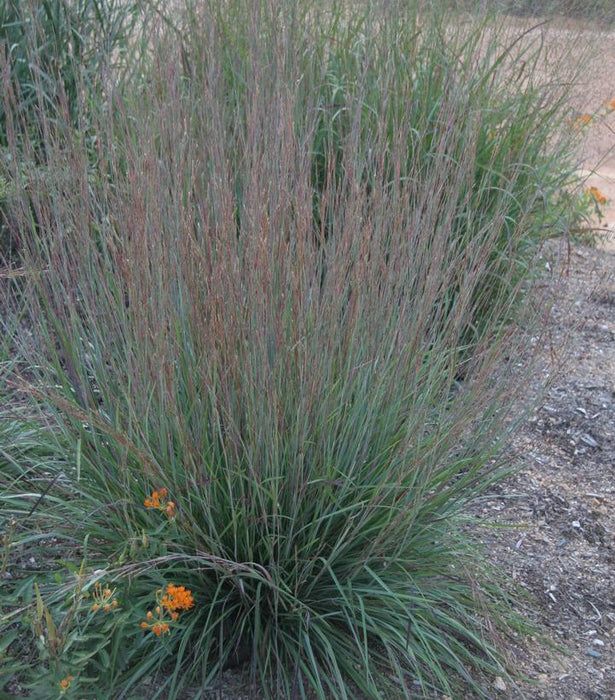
594	654
499	684
598	642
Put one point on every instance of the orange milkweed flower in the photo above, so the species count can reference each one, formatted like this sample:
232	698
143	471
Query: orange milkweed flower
168	603
581	120
103	598
597	195
65	682
160	628
177	598
158	501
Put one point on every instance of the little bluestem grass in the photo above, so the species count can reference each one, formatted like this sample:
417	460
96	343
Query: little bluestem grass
282	291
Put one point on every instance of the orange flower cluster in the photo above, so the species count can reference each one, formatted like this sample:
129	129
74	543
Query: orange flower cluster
157	627
177	598
158	501
167	604
65	683
582	120
597	195
103	598
609	105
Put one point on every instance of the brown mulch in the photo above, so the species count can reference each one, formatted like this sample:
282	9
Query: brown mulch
561	504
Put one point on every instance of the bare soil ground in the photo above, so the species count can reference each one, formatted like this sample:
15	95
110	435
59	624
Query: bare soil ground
561	504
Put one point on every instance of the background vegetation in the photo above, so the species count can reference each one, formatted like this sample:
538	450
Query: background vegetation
594	12
269	331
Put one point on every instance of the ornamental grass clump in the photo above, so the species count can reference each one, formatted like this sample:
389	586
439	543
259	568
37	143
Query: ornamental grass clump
286	294
52	49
